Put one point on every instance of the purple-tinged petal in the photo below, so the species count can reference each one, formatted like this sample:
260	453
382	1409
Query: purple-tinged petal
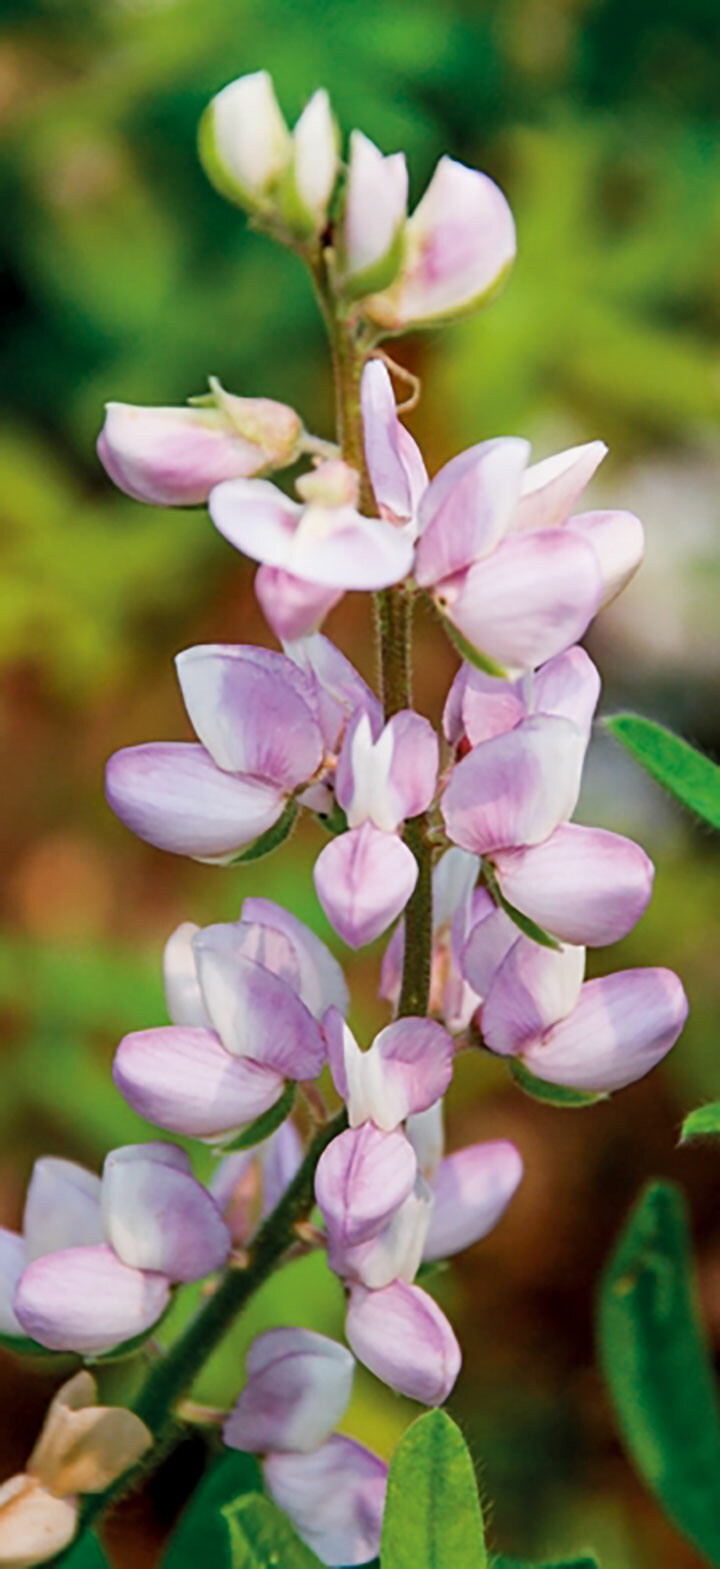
534	596
363	880
585	885
338	690
458	245
235	1187
297	1390
159	1218
394	461
552	486
426	1134
414	763
13	1259
404	1338
334	1496
87	1300
322	984
407	1068
183	997
533	989
172	457
567	686
34	1525
184	1080
618	540
257	1015
332	546
489	940
622	1026
472	1189
517	787
467	507
395	1252
292	607
387	776
479	706
253	941
250	709
361	1178
62	1207
172	795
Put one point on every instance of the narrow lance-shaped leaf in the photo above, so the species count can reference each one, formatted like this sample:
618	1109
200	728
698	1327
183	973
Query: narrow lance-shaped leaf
200	1539
657	1368
702	1123
261	1537
432	1515
686	773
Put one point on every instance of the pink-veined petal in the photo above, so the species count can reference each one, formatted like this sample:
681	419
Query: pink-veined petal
363	880
172	795
567	686
618	540
249	707
467	507
334	1496
401	1334
184	1080
552	486
394	461
361	1178
337	687
335	547
622	1026
472	1189
85	1299
532	989
517	787
62	1207
297	1389
322	983
258	1015
585	885
292	607
183	997
159	1218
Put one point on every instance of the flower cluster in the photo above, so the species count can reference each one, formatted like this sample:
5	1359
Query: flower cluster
258	1006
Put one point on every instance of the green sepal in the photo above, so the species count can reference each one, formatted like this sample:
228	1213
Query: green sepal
473	656
261	1537
432	1514
200	1539
23	1346
551	1094
657	1368
689	776
263	1126
382	273
335	821
702	1123
528	927
269	841
215	169
558	1563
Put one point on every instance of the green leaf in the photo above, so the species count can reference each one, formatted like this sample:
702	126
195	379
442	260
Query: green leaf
432	1515
263	1538
686	773
524	924
701	1123
469	652
263	1126
560	1563
269	841
552	1094
86	1553
656	1365
200	1539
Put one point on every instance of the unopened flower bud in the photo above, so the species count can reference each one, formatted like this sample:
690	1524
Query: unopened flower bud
172	457
313	167
332	484
244	141
457	248
375	207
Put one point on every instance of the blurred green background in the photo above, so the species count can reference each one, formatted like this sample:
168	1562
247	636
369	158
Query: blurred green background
126	277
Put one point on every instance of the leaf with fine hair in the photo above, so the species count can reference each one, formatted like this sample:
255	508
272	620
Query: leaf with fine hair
261	1537
656	1365
201	1535
702	1123
263	1126
688	775
432	1515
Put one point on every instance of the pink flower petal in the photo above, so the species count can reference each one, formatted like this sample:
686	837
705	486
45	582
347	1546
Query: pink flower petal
361	1178
622	1026
472	1189
322	984
533	988
337	688
159	1218
257	1015
335	1498
363	880
172	457
404	1338
467	507
172	795
183	997
250	707
517	787
552	486
618	540
292	607
534	596
489	940
297	1389
13	1260
567	686
394	461
87	1300
585	885
62	1207
184	1080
